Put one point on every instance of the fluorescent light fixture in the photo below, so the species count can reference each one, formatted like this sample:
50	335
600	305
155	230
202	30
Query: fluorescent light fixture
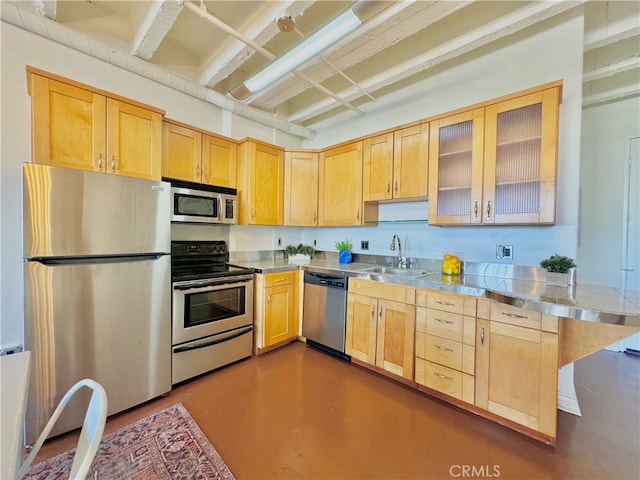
311	46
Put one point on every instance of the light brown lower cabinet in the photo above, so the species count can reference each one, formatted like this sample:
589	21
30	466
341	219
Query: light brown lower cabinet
445	343
517	366
380	326
277	308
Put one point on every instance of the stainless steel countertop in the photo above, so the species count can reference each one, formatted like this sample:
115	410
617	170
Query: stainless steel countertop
593	303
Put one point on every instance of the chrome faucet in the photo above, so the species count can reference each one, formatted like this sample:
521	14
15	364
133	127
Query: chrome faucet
402	262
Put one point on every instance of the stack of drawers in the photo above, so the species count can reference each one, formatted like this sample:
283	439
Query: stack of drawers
445	343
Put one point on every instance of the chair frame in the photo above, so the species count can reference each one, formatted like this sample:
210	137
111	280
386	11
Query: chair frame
90	435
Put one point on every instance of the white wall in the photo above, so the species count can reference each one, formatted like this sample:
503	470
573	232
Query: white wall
605	132
519	62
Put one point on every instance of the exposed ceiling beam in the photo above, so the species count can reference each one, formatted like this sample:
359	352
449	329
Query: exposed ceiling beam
611	33
263	51
161	16
46	8
615	94
611	70
501	27
378	33
260	28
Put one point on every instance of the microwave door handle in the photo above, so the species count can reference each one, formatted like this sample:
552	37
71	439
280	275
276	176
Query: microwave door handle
204	344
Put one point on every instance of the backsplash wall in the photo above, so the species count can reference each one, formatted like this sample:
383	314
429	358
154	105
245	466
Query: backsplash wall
419	240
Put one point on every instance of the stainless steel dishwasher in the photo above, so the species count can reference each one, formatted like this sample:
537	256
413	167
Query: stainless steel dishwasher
325	311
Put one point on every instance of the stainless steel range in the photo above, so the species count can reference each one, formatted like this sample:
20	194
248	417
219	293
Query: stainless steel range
212	313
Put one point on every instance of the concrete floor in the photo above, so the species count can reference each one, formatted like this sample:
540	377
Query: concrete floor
300	414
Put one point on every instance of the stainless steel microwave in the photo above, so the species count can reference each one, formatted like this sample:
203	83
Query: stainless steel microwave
198	203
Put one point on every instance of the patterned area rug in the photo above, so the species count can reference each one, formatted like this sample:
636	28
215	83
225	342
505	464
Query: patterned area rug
165	445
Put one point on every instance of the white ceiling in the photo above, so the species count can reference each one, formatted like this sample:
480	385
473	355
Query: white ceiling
404	43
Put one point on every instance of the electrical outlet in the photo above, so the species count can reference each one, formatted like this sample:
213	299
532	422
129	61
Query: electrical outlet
279	241
504	252
364	244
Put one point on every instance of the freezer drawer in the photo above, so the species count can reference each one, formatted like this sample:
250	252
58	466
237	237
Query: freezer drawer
107	321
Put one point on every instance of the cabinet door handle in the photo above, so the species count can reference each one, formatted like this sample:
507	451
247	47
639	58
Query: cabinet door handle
444	349
314	217
482	336
445	303
198	171
373	311
513	315
253	217
206	174
114	164
388	187
99	161
448	322
444	377
396	186
488	208
380	311
358	215
475	209
268	298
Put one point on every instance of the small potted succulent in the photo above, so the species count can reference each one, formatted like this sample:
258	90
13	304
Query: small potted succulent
561	270
344	251
299	255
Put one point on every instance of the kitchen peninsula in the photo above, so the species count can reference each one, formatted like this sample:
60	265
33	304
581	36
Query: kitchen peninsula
519	325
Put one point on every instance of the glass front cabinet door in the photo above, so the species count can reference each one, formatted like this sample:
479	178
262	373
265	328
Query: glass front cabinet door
497	164
520	159
455	169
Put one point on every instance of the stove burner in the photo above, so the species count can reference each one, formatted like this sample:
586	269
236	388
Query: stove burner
196	260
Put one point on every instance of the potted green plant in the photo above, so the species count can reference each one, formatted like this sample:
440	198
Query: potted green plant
561	270
344	251
300	254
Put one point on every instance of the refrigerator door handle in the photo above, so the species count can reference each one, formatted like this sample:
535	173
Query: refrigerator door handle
93	259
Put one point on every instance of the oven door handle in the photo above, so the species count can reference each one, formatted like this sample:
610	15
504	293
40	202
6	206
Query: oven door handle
223	282
196	346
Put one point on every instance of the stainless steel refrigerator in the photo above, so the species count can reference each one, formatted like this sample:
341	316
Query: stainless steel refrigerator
97	289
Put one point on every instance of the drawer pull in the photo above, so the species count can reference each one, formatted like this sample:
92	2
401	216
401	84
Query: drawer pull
448	322
445	303
514	315
444	377
444	349
279	280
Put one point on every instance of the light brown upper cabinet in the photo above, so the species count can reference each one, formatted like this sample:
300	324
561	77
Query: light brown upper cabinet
76	126
219	161
301	188
455	166
497	164
395	164
340	186
260	183
196	156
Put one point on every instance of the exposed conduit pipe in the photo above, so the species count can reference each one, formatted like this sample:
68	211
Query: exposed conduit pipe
42	26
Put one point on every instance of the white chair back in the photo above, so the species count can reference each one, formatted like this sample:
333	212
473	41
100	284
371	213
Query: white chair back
90	436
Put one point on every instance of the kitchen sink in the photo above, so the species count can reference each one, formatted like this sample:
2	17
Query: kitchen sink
407	272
